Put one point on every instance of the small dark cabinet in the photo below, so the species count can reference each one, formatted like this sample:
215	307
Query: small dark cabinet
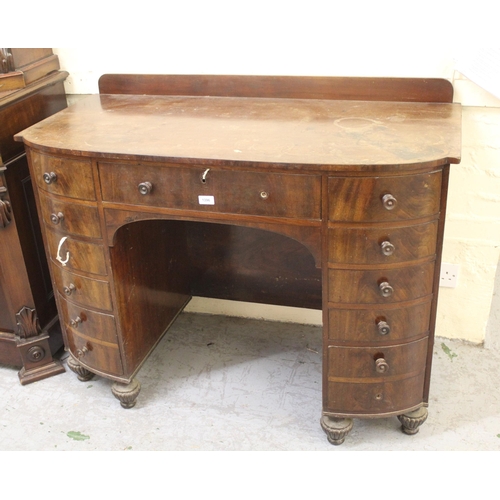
30	333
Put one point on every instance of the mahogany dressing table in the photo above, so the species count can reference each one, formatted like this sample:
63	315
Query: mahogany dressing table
324	193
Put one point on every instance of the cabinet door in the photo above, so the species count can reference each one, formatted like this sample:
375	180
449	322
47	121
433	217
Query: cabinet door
24	273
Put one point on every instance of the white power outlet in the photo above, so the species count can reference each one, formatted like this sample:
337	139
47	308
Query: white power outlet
449	275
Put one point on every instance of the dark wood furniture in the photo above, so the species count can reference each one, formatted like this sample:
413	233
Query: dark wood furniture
29	328
281	190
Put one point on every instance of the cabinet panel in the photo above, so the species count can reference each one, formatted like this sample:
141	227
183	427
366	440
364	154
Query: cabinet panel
80	255
69	177
380	286
95	355
363	199
81	321
381	245
379	324
71	218
372	364
84	291
375	398
376	379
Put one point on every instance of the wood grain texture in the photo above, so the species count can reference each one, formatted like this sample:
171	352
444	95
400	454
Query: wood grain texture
362	287
294	134
290	87
365	245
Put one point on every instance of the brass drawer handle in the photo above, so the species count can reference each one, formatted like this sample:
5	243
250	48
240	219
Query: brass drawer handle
383	327
145	188
75	322
57	218
68	290
49	177
387	248
264	195
80	353
386	290
381	365
389	201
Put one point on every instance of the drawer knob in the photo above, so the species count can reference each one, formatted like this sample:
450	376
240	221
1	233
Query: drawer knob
80	353
389	201
49	177
386	290
145	187
264	195
381	365
68	290
383	327
387	248
75	322
57	218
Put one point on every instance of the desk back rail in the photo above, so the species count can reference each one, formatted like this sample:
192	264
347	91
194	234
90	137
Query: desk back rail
435	90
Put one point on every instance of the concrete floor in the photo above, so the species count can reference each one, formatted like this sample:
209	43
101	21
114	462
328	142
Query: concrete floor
220	383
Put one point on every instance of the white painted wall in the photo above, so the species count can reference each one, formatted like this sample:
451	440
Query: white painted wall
472	238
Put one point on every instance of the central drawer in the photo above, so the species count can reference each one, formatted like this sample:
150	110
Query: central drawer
213	190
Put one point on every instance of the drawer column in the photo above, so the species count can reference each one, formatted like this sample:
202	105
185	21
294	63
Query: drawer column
381	246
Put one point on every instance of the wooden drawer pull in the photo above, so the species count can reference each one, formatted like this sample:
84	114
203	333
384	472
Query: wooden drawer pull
389	201
383	327
387	248
145	188
75	322
49	177
381	365
386	290
68	290
57	218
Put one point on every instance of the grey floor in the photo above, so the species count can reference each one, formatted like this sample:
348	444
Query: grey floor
221	383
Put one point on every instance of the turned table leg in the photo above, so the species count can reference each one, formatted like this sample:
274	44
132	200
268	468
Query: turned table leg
410	422
83	374
126	393
336	428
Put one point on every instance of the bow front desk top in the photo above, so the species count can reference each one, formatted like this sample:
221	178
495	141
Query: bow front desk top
292	133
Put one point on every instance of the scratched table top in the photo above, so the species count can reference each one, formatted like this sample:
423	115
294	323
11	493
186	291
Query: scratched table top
305	133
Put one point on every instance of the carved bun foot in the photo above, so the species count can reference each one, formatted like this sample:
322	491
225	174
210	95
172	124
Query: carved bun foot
83	374
413	420
336	428
126	393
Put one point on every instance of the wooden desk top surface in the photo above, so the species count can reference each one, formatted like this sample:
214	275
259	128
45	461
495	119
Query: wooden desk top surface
232	131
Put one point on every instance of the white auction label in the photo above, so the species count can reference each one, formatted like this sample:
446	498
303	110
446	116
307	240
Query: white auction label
206	200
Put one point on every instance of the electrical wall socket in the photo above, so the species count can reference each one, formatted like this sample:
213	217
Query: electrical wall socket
449	275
